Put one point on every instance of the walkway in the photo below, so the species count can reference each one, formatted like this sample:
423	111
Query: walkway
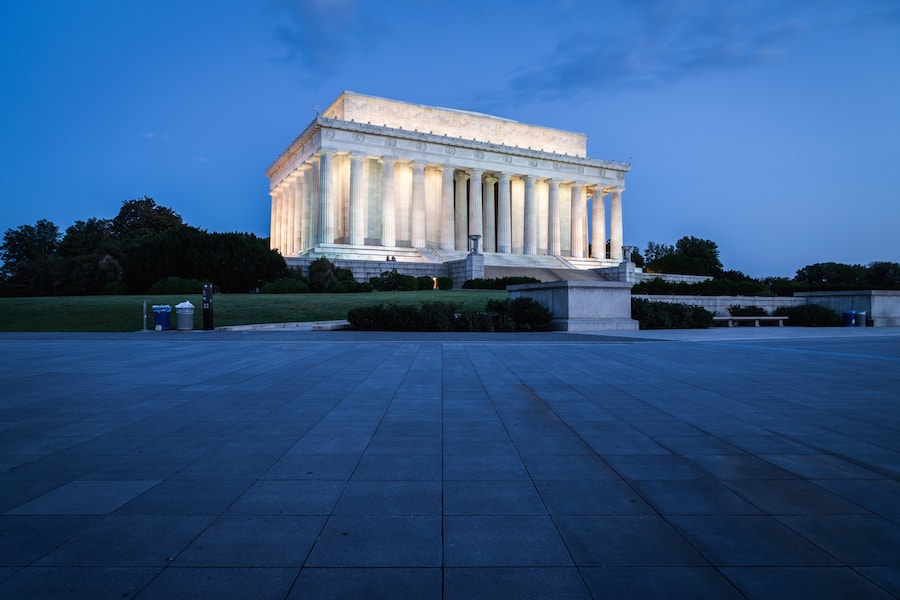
334	464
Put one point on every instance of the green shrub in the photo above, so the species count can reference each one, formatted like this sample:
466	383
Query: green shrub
497	283
426	316
809	315
714	287
445	283
524	313
408	283
521	314
424	283
388	281
669	315
325	277
285	286
115	288
176	285
747	311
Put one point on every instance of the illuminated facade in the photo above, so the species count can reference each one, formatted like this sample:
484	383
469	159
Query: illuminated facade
370	178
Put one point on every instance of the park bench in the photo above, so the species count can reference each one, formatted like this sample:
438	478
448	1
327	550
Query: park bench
732	321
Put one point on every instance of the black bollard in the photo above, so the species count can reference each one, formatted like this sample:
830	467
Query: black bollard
208	307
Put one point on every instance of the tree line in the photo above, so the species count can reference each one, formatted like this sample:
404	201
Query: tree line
145	243
142	244
695	256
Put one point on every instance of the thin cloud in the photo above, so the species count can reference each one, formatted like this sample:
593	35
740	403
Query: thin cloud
664	41
320	35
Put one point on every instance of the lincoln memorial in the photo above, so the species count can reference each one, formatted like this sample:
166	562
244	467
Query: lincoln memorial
371	178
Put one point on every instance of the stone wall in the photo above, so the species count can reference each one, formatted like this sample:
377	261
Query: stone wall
582	305
471	267
882	307
720	304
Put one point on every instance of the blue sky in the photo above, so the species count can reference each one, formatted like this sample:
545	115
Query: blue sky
770	127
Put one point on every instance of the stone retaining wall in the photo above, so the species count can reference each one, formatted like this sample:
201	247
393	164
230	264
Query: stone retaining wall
719	304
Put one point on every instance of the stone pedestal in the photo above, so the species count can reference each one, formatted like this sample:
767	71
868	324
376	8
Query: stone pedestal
582	305
474	266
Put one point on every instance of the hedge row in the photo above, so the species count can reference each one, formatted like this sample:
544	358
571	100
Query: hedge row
669	315
521	314
497	283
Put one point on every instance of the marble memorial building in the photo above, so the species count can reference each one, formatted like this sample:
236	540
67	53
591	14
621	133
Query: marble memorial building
370	178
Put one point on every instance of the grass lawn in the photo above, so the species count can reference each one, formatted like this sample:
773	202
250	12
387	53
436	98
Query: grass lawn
124	313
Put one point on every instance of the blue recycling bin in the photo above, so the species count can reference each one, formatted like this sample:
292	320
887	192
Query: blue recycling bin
162	317
847	318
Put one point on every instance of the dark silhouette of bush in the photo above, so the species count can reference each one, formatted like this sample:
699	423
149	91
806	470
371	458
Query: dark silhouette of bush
669	315
747	311
497	283
289	285
176	285
521	314
809	315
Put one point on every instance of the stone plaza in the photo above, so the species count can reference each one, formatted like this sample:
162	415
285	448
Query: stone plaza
722	463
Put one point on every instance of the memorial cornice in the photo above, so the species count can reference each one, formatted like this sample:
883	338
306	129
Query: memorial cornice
451	143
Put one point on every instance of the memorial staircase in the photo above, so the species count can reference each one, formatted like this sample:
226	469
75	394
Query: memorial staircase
367	261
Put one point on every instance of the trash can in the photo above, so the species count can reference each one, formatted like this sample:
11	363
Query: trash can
184	316
847	318
162	317
860	318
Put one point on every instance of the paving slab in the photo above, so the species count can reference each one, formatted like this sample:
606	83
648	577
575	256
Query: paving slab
295	462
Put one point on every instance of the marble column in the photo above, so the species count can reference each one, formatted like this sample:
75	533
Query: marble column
282	218
417	236
616	234
299	214
388	218
490	224
475	203
598	224
446	241
462	212
504	216
530	246
553	246
577	221
326	197
313	203
273	221
357	207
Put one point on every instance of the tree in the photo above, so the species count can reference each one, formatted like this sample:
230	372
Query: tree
142	217
656	251
705	253
235	262
689	256
93	236
883	275
636	257
832	275
88	258
27	253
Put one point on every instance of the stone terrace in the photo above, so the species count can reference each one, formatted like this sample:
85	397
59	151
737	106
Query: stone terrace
290	464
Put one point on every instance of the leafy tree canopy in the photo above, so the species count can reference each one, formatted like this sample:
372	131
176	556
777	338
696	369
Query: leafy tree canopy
93	236
28	245
689	256
143	217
